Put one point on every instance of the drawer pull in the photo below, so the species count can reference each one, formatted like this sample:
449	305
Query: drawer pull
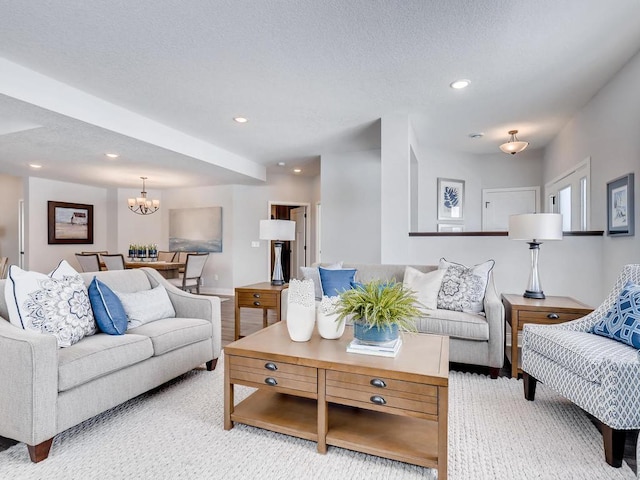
271	381
271	366
553	316
257	304
378	400
256	295
376	382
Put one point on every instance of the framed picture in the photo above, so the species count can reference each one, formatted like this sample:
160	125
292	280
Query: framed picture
620	213
70	223
450	199
448	227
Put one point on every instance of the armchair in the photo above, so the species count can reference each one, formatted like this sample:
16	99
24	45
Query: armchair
598	374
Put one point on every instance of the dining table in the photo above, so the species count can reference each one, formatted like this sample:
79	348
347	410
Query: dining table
166	269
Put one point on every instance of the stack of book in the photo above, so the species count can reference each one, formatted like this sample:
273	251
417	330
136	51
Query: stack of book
387	349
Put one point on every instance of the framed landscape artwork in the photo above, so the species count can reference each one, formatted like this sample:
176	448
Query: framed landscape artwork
620	212
195	229
70	223
450	199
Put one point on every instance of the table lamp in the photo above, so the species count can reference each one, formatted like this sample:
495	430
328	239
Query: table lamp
533	228
278	231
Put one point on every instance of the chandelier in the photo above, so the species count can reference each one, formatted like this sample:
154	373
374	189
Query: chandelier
513	146
141	205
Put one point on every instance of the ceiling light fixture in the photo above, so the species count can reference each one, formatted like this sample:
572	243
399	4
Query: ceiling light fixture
514	145
297	170
141	205
281	164
476	135
112	155
35	165
459	84
240	119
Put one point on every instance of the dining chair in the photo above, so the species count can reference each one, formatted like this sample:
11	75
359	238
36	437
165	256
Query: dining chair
193	269
166	256
113	261
4	267
99	252
181	257
89	262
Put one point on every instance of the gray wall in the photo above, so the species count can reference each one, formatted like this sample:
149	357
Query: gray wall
11	191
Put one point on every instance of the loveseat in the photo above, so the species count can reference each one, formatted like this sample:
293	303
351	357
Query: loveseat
474	338
45	389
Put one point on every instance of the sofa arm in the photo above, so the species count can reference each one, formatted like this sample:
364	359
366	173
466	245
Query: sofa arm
28	384
494	311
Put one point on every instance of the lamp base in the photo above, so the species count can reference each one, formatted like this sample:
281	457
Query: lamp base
277	283
532	294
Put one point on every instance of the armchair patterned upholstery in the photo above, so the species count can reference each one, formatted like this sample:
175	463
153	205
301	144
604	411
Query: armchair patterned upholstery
600	375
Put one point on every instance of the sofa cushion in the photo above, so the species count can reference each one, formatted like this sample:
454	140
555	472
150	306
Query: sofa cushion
622	321
57	303
171	333
463	288
100	355
146	306
312	273
336	281
425	285
107	309
469	326
580	352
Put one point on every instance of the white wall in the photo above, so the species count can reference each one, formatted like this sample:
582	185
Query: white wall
606	129
351	208
11	191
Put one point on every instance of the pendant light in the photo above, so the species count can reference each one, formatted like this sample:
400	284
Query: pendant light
141	205
514	145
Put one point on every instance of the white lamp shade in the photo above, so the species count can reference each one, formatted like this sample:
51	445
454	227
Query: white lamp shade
535	226
277	230
514	147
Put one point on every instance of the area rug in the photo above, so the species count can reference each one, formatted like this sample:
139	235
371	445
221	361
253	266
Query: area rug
176	432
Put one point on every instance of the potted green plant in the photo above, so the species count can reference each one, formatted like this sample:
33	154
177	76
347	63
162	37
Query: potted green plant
379	310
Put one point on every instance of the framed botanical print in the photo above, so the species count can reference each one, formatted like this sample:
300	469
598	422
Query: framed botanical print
450	199
620	212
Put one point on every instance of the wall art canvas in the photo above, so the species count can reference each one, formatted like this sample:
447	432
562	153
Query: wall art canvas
195	229
69	223
450	199
620	208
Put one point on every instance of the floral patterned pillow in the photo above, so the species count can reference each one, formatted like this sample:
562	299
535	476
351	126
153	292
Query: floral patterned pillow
463	287
57	303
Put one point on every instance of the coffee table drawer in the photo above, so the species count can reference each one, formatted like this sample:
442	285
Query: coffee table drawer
369	392
258	300
267	373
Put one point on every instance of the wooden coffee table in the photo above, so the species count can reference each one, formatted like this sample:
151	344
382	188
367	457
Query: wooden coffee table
390	407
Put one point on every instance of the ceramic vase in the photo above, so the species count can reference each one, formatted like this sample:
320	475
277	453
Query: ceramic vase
301	311
326	320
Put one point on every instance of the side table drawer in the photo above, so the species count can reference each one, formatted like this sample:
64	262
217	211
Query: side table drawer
536	316
266	373
258	300
381	393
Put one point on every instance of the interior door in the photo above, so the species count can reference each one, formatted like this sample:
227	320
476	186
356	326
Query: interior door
499	203
299	247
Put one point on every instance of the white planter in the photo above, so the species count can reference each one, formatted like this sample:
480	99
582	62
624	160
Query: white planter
328	327
300	322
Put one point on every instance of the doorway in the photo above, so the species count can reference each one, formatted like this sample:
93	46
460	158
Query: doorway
295	252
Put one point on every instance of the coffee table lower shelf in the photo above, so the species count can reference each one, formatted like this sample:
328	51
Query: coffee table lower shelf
406	439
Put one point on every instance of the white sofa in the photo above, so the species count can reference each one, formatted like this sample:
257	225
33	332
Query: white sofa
476	339
45	390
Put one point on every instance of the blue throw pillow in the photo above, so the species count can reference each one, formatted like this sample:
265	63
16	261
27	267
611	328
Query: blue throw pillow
334	282
622	322
107	309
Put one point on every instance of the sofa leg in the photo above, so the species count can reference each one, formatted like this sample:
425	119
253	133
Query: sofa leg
613	445
529	386
211	364
40	451
494	372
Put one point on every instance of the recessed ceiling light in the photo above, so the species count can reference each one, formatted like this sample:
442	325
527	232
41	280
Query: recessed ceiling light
476	135
297	170
35	165
281	164
112	155
240	119
462	83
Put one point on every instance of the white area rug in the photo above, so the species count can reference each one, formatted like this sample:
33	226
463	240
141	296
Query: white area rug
177	432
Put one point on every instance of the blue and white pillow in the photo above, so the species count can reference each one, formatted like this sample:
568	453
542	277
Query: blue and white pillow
334	282
107	309
463	288
622	321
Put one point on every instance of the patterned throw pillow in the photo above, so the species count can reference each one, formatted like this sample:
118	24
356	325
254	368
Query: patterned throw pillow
57	303
462	287
146	306
622	321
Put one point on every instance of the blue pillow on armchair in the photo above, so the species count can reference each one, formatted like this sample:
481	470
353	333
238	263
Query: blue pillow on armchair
622	321
335	282
107	309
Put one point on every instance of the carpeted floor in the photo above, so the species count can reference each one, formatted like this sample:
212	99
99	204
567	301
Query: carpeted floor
176	432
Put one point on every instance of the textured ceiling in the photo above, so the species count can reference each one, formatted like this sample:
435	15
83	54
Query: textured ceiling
311	76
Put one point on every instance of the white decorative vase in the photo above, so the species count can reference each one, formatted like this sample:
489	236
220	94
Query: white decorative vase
328	327
301	312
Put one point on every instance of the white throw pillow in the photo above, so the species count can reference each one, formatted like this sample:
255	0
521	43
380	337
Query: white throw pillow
312	273
463	287
57	303
425	285
146	306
